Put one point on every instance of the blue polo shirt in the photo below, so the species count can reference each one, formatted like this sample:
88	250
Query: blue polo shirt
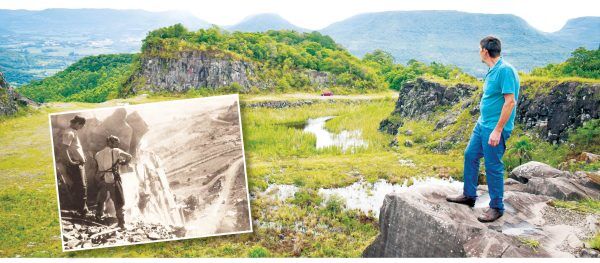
500	79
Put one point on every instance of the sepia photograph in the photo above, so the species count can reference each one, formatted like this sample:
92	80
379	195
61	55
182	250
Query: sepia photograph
152	172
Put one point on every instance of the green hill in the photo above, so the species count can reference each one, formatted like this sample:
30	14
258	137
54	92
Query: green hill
176	59
91	79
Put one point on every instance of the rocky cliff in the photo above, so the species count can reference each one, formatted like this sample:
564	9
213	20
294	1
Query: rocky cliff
213	69
549	109
420	98
558	108
191	70
420	223
10	100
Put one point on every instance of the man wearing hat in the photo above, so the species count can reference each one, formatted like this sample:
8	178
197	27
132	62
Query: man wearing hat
109	159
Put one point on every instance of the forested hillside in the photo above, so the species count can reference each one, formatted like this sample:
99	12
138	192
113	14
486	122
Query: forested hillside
91	79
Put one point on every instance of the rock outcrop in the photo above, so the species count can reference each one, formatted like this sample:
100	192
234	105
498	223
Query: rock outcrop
566	105
550	114
10	100
184	70
420	223
188	70
420	98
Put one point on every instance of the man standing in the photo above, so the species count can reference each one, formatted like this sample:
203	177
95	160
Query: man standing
494	126
74	157
109	159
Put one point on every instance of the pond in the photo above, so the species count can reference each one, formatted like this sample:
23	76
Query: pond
345	140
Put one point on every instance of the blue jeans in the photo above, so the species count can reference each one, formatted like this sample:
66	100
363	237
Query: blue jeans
494	167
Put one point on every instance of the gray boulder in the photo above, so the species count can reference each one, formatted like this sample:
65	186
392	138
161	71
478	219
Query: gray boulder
420	223
523	173
543	179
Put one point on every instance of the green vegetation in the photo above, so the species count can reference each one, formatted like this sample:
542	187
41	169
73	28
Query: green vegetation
91	79
582	63
258	252
586	137
521	149
282	57
396	75
595	242
530	242
585	206
276	151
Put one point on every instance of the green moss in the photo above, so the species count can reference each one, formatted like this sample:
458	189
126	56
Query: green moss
584	206
594	242
530	242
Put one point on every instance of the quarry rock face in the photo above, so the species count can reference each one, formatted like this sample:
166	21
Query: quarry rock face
212	69
421	97
188	70
565	106
550	114
130	129
10	100
420	223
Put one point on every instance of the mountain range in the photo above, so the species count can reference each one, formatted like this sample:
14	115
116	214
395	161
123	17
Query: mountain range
452	37
264	22
35	44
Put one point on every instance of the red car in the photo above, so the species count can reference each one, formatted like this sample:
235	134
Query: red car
327	93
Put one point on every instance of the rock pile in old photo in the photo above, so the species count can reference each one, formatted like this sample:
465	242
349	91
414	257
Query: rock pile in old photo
82	233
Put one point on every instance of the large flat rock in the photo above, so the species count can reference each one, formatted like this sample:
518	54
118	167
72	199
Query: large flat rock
420	223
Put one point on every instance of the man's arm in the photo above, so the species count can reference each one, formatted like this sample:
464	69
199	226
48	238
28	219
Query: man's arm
67	139
126	156
507	108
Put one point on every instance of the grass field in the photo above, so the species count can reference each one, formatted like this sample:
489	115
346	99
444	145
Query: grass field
277	151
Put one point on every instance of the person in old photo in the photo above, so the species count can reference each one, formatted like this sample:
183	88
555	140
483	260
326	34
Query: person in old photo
109	178
74	159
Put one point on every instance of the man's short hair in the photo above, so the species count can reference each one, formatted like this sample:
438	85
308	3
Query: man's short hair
112	139
492	45
78	120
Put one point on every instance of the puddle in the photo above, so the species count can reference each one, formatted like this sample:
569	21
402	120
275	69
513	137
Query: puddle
345	139
280	191
520	229
368	197
483	201
406	162
364	196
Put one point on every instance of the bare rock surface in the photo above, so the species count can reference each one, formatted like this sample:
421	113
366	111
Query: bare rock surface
420	223
10	100
543	179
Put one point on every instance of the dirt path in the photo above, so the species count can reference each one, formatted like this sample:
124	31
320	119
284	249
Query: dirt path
313	96
212	217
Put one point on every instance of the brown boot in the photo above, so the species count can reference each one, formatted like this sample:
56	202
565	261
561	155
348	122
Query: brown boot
490	215
461	199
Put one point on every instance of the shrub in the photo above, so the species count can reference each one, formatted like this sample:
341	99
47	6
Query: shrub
258	252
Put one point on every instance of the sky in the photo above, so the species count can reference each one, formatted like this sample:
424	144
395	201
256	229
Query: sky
547	15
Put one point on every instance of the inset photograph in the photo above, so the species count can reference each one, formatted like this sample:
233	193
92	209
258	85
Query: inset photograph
152	172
